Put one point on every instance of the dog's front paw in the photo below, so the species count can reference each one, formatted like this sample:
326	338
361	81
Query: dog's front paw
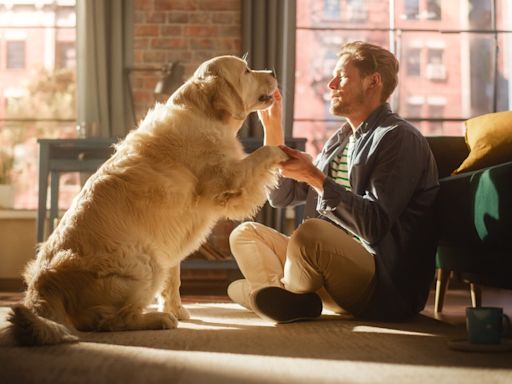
276	154
157	320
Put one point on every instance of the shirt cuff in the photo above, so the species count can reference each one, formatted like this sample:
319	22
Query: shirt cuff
330	198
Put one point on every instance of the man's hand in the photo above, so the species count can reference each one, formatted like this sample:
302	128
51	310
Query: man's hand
300	167
271	120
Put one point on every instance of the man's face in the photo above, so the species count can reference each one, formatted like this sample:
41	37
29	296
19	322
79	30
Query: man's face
347	88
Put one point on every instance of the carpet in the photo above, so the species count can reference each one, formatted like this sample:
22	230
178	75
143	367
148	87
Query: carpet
224	343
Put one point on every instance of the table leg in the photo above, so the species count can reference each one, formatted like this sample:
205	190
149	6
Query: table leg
54	200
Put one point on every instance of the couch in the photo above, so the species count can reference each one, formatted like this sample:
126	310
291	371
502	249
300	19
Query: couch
474	221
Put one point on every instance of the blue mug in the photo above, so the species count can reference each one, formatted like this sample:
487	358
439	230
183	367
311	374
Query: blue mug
485	324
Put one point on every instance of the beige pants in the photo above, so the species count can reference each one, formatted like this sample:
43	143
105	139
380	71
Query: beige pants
317	257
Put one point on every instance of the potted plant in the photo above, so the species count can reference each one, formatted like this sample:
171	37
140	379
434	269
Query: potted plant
6	188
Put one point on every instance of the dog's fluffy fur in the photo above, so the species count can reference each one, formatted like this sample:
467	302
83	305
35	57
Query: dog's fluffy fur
148	207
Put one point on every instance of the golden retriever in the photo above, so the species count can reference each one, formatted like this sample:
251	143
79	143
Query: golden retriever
148	207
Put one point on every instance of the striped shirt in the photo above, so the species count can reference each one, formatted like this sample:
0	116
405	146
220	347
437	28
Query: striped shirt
339	165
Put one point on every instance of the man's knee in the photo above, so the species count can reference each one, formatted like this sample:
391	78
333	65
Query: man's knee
243	232
304	239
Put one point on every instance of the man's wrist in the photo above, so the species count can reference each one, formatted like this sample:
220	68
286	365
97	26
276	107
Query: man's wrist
317	180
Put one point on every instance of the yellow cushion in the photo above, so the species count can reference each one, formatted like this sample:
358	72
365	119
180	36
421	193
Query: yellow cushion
489	139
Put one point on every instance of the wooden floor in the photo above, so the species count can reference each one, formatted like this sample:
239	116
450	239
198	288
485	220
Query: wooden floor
453	312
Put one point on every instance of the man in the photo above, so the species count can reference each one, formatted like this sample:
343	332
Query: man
367	243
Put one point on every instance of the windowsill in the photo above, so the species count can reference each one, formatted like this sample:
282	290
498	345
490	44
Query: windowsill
29	214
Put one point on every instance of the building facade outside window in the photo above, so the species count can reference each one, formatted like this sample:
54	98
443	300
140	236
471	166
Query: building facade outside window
37	94
455	57
15	55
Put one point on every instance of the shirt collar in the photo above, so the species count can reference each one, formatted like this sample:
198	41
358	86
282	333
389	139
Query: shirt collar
372	119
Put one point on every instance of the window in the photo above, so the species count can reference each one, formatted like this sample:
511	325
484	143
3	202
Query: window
433	10
456	61
37	92
356	11
435	111
332	9
411	9
413	62
415	106
65	55
435	65
15	56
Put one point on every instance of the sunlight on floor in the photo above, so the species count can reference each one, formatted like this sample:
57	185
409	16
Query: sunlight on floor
368	329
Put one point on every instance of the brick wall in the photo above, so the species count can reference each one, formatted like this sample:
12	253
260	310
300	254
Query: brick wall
190	31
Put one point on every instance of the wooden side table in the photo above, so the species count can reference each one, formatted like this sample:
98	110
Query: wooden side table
57	156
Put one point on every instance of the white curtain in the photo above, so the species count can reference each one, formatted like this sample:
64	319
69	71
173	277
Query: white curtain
104	51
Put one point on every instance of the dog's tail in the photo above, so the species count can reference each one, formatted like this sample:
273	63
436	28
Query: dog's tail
29	329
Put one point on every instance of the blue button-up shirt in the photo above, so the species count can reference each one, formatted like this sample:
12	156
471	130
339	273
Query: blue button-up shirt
394	182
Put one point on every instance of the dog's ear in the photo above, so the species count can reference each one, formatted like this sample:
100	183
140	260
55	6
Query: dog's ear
212	95
225	100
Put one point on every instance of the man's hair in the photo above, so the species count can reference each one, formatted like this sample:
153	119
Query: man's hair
369	58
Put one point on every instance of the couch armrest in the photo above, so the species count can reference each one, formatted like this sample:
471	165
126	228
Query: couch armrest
449	152
475	208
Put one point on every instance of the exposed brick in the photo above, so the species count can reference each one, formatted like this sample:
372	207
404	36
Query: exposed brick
167	42
230	30
147	30
177	17
149	83
156	17
137	56
153	57
140	43
181	56
200	30
198	56
139	17
222	18
175	5
200	18
203	43
232	45
219	5
144	5
171	30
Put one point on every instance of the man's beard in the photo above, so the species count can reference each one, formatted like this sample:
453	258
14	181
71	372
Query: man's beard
345	108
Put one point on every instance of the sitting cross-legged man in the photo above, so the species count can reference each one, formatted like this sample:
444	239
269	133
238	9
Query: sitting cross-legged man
367	242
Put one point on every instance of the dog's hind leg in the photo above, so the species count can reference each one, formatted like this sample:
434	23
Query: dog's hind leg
170	300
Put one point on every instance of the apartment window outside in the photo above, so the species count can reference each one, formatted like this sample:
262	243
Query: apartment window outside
413	64
461	52
15	55
411	9
65	55
37	94
434	9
